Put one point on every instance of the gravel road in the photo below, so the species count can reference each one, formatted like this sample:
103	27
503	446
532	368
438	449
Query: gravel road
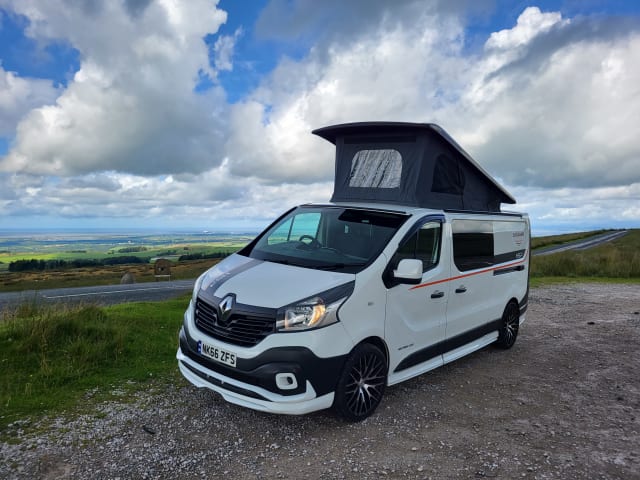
563	403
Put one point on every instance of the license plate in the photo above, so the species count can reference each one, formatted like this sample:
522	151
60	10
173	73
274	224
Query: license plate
217	354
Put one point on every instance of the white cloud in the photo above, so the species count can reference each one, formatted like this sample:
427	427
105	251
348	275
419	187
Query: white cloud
223	50
573	209
131	107
558	110
18	96
370	79
211	199
531	23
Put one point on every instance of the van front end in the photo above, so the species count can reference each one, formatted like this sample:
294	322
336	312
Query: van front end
246	354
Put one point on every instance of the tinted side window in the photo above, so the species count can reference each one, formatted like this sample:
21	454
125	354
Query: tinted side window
423	245
472	244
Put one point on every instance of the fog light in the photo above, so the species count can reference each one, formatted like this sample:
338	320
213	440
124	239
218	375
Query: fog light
286	381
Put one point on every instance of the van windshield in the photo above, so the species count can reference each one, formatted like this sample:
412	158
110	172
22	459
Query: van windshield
327	238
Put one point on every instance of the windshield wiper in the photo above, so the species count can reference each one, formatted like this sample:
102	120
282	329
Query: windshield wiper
283	262
336	266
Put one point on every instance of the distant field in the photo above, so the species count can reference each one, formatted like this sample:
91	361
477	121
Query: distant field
149	253
147	248
100	246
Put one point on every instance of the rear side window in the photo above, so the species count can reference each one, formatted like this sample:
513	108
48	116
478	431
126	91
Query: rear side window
481	243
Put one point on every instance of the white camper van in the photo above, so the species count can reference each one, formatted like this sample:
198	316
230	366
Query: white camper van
411	265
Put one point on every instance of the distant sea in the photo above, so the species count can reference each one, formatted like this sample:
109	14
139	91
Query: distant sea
6	232
70	239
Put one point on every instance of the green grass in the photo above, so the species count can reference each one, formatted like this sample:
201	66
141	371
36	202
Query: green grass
50	356
619	259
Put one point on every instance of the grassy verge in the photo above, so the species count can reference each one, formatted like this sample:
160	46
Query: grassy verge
50	356
619	259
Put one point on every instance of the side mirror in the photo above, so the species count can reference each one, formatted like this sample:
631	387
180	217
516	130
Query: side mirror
409	271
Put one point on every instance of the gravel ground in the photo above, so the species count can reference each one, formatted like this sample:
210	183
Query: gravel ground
564	402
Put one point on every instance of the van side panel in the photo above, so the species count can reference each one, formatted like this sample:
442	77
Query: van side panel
488	257
489	268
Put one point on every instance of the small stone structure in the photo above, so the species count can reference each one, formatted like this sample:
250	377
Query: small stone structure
127	278
162	269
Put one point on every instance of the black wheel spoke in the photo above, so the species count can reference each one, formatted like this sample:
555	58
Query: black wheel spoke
364	383
511	323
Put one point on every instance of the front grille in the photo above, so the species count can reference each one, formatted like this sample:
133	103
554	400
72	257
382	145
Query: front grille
246	327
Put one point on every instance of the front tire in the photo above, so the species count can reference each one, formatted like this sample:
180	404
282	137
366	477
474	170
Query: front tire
510	325
361	383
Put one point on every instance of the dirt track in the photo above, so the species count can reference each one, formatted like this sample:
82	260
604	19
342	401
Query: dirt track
563	403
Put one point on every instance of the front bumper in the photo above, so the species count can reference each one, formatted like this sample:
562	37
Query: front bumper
251	396
253	382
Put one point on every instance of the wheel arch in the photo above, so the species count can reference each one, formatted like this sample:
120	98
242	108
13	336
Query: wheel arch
515	301
376	342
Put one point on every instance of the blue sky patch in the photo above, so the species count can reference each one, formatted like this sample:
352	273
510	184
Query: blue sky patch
56	60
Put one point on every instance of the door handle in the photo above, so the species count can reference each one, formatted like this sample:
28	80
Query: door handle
437	294
461	289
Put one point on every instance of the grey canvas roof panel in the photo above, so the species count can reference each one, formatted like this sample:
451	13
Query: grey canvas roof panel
415	164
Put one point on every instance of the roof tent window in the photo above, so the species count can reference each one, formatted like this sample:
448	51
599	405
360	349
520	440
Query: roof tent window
376	169
447	176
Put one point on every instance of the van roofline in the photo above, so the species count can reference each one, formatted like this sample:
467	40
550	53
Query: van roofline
474	212
410	210
379	207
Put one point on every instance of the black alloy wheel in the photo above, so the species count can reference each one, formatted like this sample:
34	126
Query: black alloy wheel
510	324
361	383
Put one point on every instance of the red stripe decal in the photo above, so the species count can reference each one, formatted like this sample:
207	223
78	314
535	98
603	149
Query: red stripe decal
492	269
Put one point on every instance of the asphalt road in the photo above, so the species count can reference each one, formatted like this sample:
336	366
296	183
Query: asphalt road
143	292
103	294
582	244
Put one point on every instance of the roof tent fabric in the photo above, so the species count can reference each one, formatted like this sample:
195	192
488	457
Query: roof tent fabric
415	164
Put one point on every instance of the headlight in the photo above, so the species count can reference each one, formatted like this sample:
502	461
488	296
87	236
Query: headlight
314	312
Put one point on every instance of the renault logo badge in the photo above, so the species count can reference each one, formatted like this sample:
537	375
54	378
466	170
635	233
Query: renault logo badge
226	305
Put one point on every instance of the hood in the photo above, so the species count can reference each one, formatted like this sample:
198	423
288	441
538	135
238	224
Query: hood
266	284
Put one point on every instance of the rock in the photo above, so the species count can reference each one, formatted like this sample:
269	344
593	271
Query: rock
127	278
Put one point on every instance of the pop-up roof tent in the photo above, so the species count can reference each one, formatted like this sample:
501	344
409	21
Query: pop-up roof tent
415	164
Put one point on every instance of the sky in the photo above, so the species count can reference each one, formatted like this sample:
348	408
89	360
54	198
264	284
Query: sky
166	114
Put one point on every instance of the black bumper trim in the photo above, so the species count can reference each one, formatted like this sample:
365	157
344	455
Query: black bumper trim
261	370
224	385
